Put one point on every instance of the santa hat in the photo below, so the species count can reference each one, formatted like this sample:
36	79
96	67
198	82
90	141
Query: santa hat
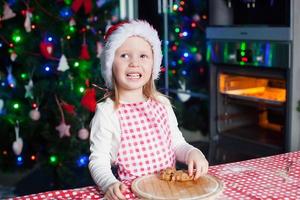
116	36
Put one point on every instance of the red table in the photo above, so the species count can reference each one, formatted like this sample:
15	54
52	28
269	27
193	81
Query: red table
271	178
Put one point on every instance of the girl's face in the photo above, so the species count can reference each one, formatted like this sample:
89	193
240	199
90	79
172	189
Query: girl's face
132	66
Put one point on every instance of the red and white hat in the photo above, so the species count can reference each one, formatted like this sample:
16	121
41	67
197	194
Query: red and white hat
116	36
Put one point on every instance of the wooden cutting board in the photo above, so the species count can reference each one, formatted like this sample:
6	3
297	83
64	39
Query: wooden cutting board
151	187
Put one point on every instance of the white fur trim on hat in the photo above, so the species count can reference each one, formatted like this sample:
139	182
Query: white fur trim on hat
118	37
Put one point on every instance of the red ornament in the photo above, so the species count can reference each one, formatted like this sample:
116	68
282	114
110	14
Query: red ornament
87	4
89	100
46	49
68	108
84	53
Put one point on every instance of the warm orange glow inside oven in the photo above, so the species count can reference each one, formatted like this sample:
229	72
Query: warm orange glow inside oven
253	88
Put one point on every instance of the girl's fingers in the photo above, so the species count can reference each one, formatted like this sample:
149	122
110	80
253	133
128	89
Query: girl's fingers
117	192
191	168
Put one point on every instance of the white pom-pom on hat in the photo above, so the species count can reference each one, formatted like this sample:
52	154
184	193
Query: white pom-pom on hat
116	36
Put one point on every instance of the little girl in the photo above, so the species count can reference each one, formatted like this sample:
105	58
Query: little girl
135	128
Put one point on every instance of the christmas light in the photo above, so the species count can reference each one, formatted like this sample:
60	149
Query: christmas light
194	49
68	37
4	152
24	76
33	26
16	106
174	48
185	33
175	7
47	68
183	72
81	89
72	29
76	64
50	39
19	160
16	37
53	160
1	45
32	157
68	2
65	13
186	54
34	105
82	161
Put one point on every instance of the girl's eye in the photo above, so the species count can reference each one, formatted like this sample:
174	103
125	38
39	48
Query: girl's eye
124	55
144	56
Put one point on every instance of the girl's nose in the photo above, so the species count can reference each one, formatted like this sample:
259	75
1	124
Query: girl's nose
134	62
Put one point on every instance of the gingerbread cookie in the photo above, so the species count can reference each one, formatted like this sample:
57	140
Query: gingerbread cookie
170	174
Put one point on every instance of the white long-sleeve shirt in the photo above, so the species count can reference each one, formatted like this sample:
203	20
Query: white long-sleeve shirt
105	141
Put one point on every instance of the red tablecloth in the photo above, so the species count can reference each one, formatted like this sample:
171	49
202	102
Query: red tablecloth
271	178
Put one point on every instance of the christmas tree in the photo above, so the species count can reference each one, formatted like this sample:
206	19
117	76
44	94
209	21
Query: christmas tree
49	61
188	71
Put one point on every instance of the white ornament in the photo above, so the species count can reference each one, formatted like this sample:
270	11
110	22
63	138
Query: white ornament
7	12
28	89
18	143
63	64
27	23
13	56
72	22
1	105
35	114
183	94
83	134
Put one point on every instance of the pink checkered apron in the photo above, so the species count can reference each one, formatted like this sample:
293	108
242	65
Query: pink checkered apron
146	145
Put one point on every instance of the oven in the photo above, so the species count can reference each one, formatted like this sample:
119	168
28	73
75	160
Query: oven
249	104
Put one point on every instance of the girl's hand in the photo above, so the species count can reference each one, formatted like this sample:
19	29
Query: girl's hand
114	191
197	163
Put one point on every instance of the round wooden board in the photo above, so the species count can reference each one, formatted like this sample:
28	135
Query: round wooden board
151	187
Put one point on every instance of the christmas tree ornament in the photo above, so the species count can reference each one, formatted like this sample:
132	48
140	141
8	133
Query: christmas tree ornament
198	57
28	88
62	128
46	49
87	4
72	22
83	134
1	105
63	64
35	114
7	12
68	108
182	93
89	100
27	23
13	56
18	143
84	53
10	77
99	49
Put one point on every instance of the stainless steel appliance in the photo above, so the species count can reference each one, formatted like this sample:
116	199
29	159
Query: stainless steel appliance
248	98
253	56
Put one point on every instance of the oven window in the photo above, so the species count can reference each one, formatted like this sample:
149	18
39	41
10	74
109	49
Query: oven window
252	108
252	88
